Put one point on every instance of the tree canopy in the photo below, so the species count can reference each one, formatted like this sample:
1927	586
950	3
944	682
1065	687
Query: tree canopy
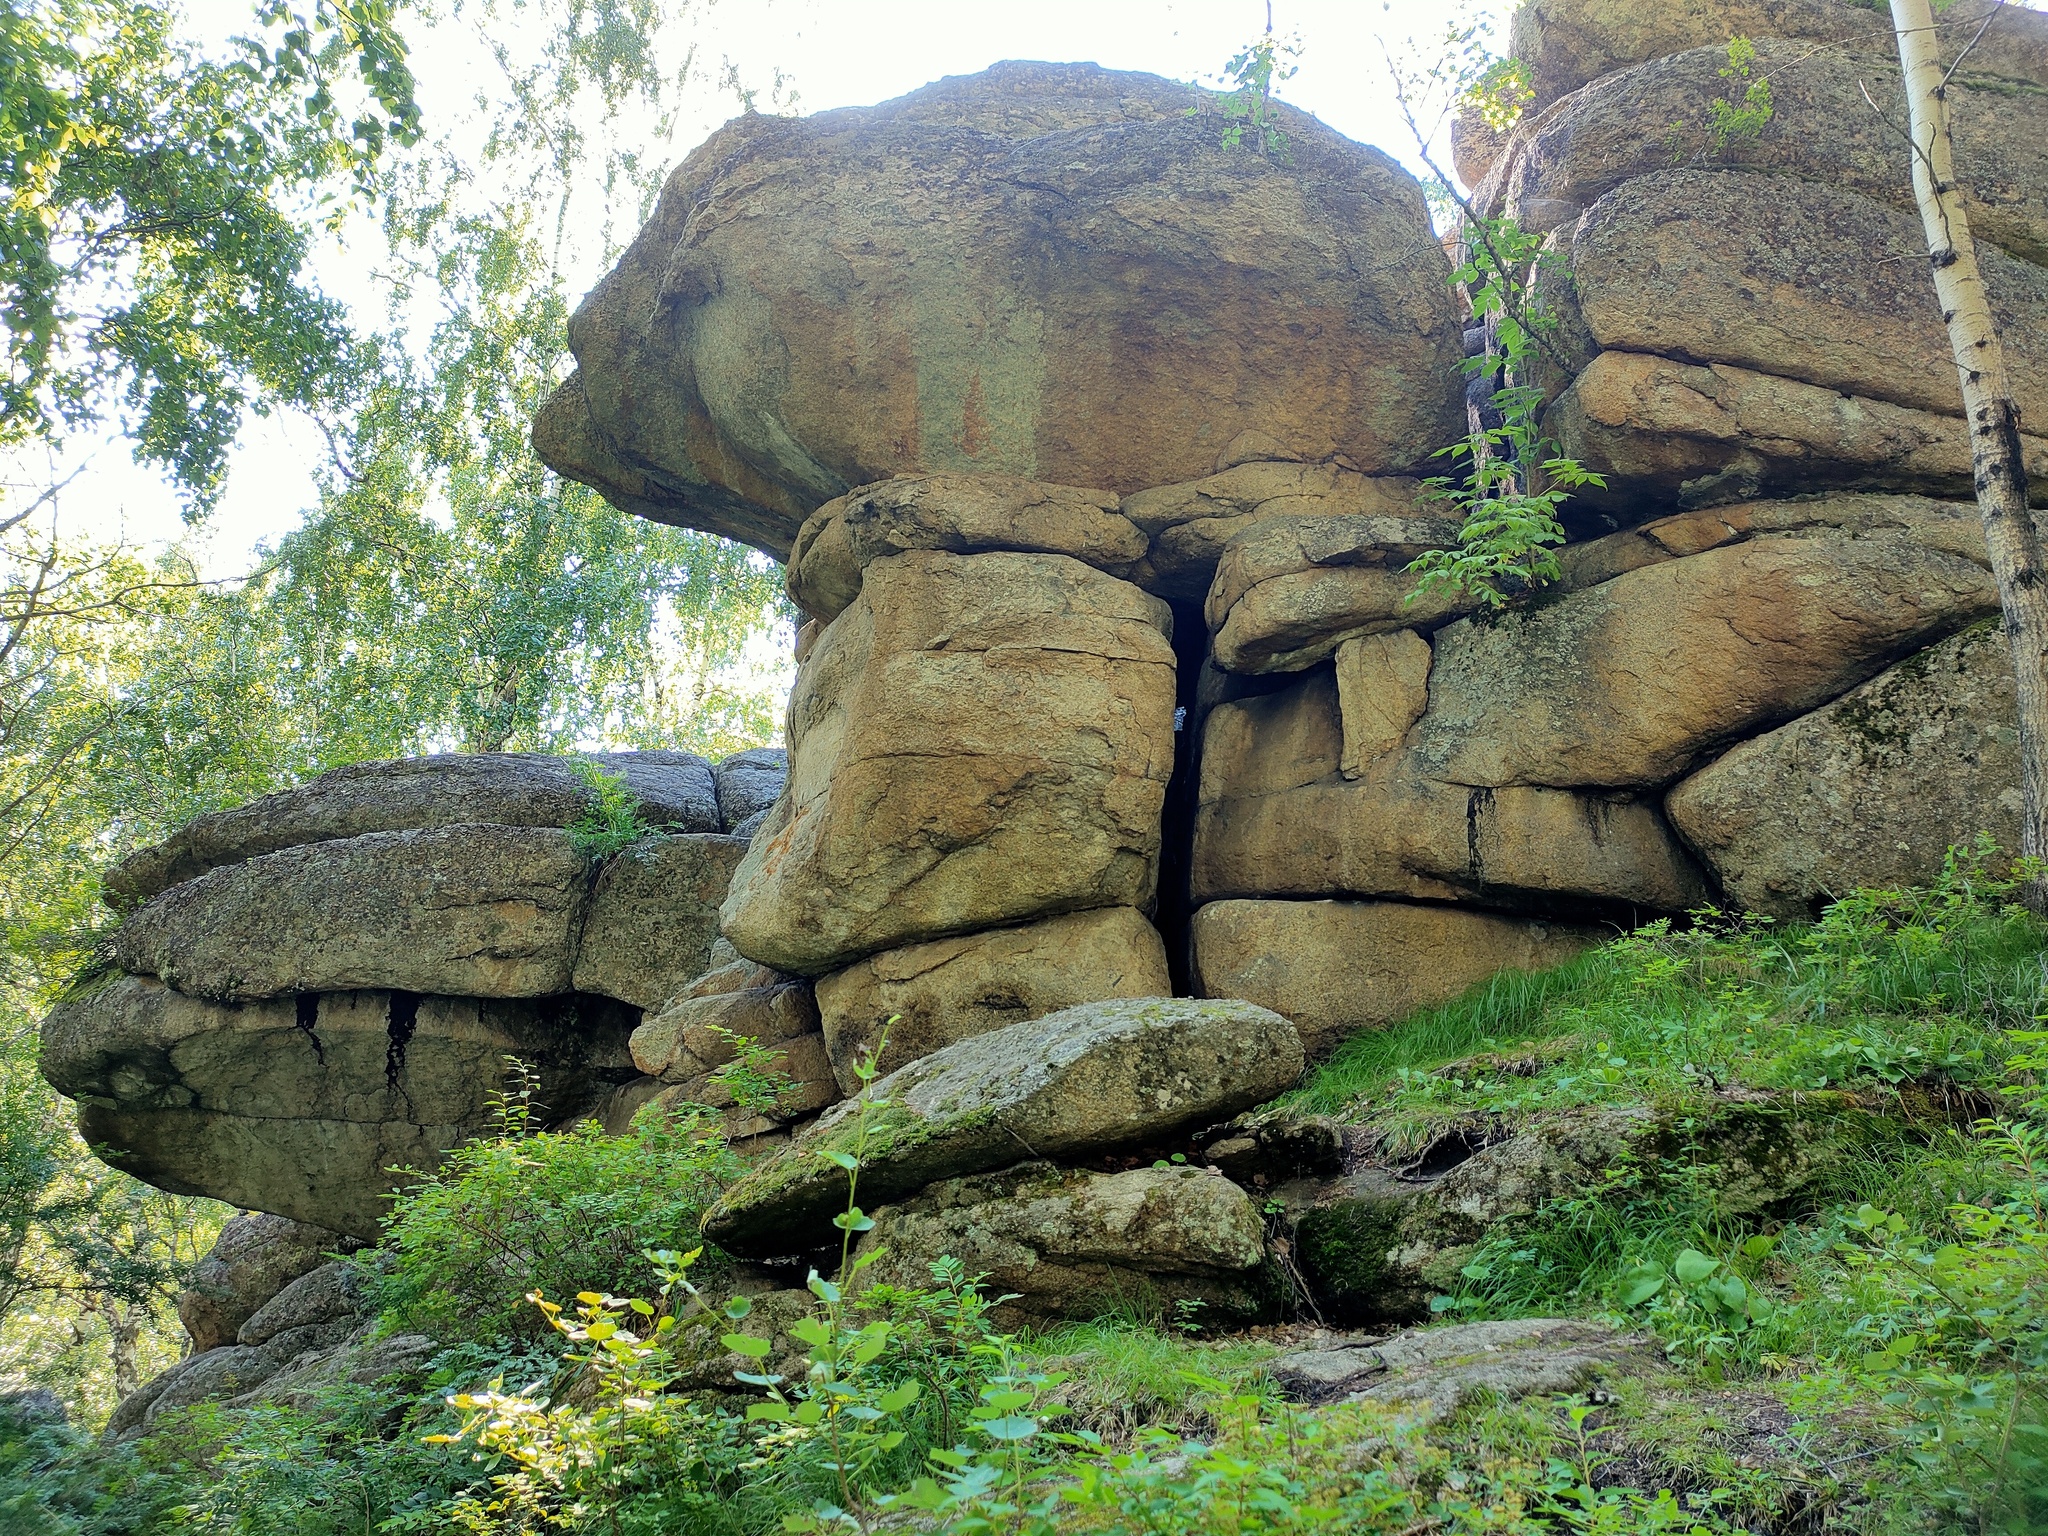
164	203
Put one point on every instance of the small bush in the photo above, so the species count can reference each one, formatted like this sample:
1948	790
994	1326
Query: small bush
556	1211
612	822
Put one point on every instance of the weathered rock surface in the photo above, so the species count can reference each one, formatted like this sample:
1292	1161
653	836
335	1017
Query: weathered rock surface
1873	789
1794	278
748	783
256	1256
1438	1371
291	1371
653	916
1072	1244
676	791
465	911
1701	435
300	1106
928	996
1277	817
693	1035
1566	43
979	740
1378	1241
1045	270
1336	967
1630	682
1190	524
964	514
1821	128
1382	690
331	1293
1092	1078
1289	590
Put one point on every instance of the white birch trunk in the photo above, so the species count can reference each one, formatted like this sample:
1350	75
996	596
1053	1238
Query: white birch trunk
1995	452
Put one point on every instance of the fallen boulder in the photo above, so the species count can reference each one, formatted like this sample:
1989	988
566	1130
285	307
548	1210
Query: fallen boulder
1436	1372
1176	1244
1093	1078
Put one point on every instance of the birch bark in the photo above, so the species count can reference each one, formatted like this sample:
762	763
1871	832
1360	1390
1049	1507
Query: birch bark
2000	470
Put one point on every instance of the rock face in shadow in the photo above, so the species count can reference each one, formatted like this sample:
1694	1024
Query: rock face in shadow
301	1106
1045	270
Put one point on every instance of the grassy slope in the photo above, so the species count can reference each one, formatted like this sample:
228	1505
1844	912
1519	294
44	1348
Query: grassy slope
1882	1373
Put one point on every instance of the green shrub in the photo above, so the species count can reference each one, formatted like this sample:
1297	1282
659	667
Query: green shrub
555	1211
612	822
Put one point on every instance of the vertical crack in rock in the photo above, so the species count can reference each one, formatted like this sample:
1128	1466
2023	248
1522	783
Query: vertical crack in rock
1175	910
307	1017
402	1020
1477	804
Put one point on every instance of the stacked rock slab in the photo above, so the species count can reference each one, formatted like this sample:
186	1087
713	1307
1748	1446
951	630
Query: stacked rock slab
990	1151
1765	676
980	740
319	988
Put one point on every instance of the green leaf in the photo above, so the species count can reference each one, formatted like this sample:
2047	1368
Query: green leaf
1011	1428
747	1344
1691	1266
840	1159
1641	1283
899	1398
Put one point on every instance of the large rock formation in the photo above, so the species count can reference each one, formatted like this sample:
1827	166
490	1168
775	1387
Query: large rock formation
1092	443
322	987
1046	270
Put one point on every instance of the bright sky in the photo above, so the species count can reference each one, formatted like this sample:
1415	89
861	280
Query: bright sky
833	53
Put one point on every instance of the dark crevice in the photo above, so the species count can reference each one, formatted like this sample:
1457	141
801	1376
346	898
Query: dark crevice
402	1022
307	1018
1177	828
1447	1152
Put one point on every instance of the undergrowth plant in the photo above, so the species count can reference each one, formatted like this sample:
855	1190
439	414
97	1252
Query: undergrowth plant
611	821
521	1209
1509	478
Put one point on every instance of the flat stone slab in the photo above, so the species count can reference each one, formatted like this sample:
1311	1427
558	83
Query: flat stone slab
1439	1371
462	911
676	791
1089	1078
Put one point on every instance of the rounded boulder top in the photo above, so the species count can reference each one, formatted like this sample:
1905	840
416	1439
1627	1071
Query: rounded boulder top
1053	271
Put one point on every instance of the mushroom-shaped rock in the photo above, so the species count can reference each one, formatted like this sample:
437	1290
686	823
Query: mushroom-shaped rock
1045	270
1087	1079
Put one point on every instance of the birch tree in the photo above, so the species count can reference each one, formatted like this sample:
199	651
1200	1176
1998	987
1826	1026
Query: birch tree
1996	456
